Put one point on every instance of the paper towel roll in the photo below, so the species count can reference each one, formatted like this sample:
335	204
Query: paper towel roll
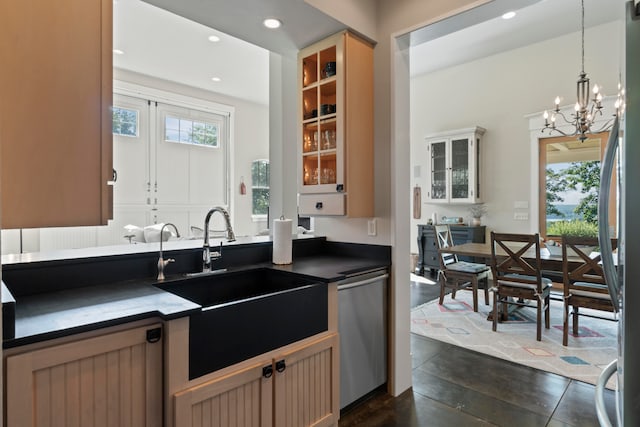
282	246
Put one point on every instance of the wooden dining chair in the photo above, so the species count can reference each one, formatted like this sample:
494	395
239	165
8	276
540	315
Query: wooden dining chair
584	283
457	275
518	281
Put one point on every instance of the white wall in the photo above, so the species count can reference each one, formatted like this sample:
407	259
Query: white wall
359	15
283	138
497	92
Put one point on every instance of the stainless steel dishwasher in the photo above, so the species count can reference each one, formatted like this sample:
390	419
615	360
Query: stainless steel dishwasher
362	324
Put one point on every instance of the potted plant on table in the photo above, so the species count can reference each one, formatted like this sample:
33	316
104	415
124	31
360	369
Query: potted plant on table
477	212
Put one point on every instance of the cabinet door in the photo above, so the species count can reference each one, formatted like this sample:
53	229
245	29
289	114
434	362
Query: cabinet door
111	380
438	171
306	385
459	168
244	398
55	113
322	114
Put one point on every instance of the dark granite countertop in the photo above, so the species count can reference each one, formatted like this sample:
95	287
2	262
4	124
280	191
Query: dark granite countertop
50	315
65	312
331	268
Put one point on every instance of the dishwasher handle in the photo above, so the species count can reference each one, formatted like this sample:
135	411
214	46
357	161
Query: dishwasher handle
362	282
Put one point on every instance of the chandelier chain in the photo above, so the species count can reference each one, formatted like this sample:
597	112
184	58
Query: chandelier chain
582	3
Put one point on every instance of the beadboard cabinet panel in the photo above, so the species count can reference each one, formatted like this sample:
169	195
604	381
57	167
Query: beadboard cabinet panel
110	380
297	387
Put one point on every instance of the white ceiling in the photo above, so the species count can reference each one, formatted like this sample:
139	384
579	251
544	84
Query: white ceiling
541	20
159	43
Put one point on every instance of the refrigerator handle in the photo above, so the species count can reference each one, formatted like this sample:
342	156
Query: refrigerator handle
604	236
601	411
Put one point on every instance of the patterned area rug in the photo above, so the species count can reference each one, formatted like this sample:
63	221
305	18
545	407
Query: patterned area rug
583	359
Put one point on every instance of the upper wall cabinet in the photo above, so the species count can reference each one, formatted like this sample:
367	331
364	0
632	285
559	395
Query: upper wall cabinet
454	166
335	136
55	115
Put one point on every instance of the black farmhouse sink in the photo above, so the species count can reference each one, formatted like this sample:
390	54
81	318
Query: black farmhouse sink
247	313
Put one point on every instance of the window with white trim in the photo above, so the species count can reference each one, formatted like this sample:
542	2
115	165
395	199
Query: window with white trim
191	132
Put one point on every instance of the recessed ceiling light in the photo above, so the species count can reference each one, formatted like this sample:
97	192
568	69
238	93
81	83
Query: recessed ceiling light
118	52
509	15
272	23
216	79
214	39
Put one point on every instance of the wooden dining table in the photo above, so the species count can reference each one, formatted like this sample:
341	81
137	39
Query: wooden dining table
551	263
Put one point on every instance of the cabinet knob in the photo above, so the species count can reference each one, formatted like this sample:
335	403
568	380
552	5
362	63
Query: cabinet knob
281	366
267	371
154	335
318	205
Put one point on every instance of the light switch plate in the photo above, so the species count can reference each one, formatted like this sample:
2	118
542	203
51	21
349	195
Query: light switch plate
521	204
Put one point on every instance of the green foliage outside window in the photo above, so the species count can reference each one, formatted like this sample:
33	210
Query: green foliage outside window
260	187
573	228
578	176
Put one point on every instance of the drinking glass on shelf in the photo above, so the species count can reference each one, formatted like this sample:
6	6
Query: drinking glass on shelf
314	144
324	178
326	139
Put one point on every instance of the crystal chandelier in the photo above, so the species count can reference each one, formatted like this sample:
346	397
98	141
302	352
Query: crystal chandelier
586	110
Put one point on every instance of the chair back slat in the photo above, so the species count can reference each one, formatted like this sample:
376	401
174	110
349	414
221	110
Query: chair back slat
590	269
512	261
444	240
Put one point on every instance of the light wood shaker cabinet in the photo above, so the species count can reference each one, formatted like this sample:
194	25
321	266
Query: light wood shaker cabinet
335	136
55	116
453	175
108	380
297	387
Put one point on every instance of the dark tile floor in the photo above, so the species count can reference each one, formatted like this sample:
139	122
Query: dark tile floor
453	386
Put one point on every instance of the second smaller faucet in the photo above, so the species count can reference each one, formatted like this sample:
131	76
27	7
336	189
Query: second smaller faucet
206	252
162	263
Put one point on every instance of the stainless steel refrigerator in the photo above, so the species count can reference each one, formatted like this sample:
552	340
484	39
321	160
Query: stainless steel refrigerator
624	280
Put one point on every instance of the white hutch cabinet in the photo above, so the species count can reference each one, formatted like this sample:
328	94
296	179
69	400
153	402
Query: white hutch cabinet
454	166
